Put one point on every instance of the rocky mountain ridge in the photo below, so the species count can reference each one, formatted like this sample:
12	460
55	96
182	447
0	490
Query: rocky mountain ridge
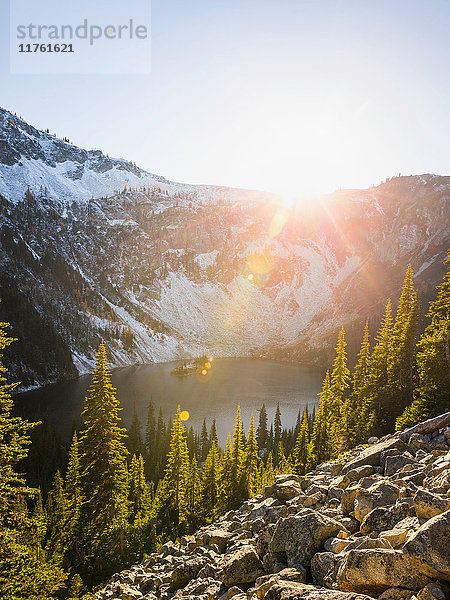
374	523
95	248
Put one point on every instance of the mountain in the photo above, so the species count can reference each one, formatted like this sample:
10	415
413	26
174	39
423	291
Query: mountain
96	248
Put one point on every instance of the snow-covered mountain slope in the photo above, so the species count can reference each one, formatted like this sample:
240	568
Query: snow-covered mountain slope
93	247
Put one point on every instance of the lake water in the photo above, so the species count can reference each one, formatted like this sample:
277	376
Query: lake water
229	382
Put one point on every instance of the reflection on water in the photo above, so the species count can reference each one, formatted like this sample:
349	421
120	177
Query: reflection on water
215	395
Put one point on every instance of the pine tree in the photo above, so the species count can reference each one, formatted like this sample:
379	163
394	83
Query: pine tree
55	509
193	493
377	388
404	338
237	459
358	419
150	432
226	478
73	502
433	361
277	429
204	441
339	384
177	469
262	435
300	453
210	483
320	439
251	462
103	466
21	555
213	435
134	439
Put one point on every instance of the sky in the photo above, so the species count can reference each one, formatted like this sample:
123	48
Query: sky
297	97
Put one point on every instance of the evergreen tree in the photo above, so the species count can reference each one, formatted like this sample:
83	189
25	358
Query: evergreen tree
320	440
251	462
358	418
300	453
103	466
227	483
339	384
262	435
177	469
210	483
150	431
213	435
377	387
134	439
403	349
55	509
73	501
21	555
237	459
433	361
277	429
204	441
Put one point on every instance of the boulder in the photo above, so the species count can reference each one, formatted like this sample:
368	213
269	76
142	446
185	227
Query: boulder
384	517
397	462
396	593
348	499
432	591
302	591
396	537
373	571
324	566
429	547
288	490
301	536
187	570
336	545
381	493
242	566
428	505
371	455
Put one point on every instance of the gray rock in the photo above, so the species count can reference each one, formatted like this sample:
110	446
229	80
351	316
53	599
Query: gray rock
382	493
301	536
371	455
429	547
187	571
242	566
302	591
385	517
428	505
373	571
396	463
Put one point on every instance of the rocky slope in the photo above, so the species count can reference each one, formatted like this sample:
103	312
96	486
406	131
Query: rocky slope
372	524
93	247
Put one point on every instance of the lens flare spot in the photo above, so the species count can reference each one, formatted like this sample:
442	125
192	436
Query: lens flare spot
184	415
261	262
278	222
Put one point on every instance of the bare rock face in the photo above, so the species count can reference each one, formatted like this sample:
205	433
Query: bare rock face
377	570
300	537
429	548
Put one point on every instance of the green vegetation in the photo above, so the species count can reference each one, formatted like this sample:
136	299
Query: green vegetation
122	494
